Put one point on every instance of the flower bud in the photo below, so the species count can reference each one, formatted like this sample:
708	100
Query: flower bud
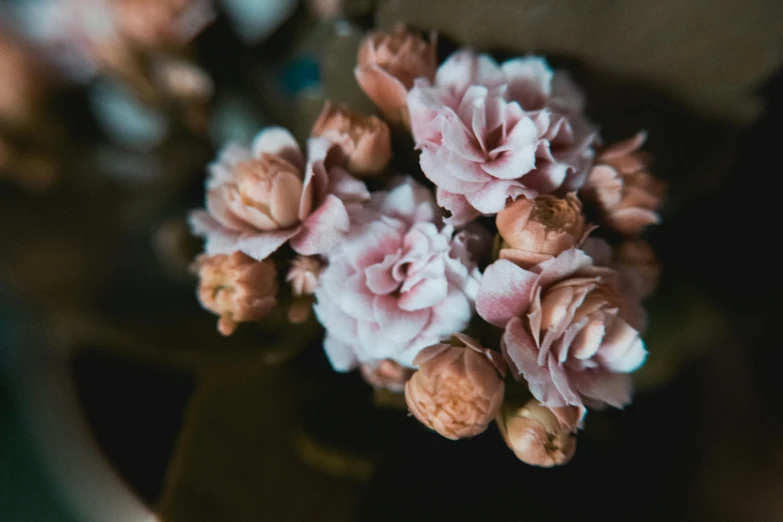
387	375
303	275
458	388
364	141
388	63
535	230
237	288
535	435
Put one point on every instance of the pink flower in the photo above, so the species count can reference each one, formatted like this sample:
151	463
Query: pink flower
488	133
388	63
534	230
386	375
627	195
566	332
458	388
258	199
237	288
395	284
364	142
536	435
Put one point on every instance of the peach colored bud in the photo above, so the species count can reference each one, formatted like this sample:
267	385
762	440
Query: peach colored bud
458	388
237	288
364	141
626	193
266	192
535	230
303	274
535	435
388	63
387	375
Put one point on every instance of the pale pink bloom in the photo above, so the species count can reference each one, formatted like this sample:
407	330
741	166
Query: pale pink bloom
627	195
396	284
388	64
566	330
303	275
458	388
260	198
534	230
386	375
237	288
536	435
490	132
364	142
161	24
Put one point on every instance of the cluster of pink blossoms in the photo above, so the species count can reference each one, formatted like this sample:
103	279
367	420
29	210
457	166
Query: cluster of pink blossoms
398	276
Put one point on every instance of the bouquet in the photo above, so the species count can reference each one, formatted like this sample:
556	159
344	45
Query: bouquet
477	249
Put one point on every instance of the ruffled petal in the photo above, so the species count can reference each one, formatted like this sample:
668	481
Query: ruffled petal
505	292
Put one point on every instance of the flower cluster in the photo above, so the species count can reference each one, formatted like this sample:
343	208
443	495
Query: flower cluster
398	275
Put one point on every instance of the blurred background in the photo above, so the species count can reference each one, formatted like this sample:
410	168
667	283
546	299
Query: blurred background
120	401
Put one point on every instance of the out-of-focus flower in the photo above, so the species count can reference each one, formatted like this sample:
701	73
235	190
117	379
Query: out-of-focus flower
259	199
638	267
458	388
364	142
303	274
161	24
386	375
566	331
534	230
237	288
535	434
22	83
388	64
396	284
325	9
627	195
490	132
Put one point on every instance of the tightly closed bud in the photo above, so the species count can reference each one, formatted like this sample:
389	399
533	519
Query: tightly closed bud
388	63
535	435
303	275
535	230
387	375
458	388
364	141
237	288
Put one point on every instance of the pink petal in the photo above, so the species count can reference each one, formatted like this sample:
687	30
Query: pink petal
562	382
622	349
633	220
461	140
324	229
566	263
397	324
463	68
521	355
529	81
505	292
261	245
424	294
220	240
279	142
386	91
461	211
340	355
346	187
624	147
614	389
379	277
